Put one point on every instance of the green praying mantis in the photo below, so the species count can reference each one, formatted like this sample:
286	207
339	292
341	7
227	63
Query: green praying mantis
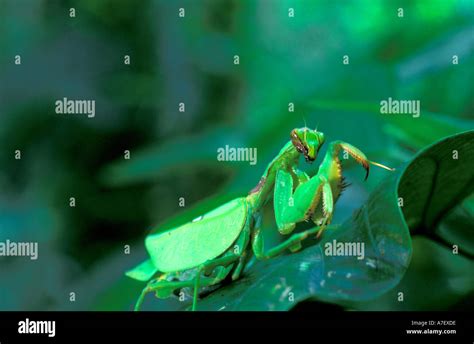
212	247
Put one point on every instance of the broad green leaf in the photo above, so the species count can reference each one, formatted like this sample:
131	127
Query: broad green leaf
436	181
441	226
456	228
278	284
150	162
436	279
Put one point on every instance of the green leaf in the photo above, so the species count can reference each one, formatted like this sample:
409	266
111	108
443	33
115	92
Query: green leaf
436	181
436	279
182	152
434	188
456	228
278	284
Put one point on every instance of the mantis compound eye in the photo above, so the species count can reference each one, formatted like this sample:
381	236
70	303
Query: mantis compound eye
309	158
299	141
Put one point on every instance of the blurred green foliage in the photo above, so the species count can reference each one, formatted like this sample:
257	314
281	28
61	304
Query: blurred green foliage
190	60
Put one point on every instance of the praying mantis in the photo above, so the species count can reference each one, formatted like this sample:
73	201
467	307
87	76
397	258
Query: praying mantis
218	245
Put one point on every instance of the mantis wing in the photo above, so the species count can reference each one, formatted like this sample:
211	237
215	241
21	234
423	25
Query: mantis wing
196	242
143	272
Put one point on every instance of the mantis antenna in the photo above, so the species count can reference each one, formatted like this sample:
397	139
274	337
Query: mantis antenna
304	121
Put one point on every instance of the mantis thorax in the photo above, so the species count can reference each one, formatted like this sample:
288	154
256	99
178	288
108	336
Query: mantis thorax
286	159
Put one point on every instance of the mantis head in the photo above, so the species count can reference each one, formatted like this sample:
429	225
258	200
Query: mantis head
307	141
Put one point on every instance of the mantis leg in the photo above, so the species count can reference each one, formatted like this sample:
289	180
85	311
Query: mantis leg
164	288
294	241
240	266
234	254
240	248
293	207
299	176
207	267
302	204
327	206
331	164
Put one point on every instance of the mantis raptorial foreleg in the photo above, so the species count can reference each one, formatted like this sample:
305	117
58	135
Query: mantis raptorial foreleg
299	176
300	205
331	165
